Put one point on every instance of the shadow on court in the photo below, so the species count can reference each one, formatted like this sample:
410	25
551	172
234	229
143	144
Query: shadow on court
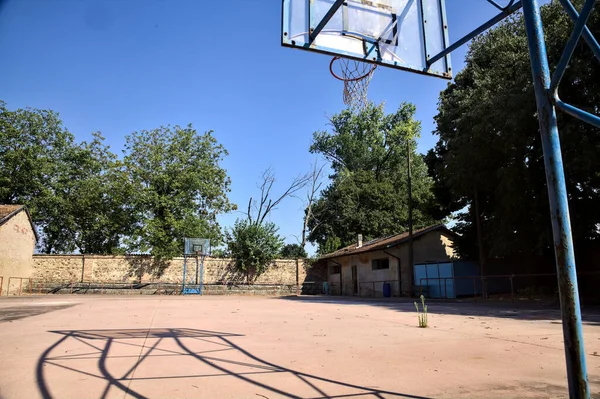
145	363
526	310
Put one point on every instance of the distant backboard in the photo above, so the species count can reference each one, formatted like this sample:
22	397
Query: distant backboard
197	246
401	34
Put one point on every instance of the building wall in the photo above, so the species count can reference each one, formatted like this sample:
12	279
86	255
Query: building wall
435	246
96	268
17	242
370	282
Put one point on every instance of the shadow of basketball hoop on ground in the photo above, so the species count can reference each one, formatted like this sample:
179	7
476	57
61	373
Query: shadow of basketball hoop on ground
175	362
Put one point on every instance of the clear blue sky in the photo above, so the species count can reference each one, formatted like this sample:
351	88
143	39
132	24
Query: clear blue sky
118	66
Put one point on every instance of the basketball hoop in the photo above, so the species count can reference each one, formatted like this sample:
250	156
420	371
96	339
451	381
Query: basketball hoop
356	76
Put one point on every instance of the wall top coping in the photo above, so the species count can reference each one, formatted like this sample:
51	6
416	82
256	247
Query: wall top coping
89	256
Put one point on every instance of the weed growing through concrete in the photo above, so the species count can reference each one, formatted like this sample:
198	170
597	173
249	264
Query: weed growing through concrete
422	316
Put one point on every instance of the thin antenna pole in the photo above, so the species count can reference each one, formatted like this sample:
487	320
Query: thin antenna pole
410	215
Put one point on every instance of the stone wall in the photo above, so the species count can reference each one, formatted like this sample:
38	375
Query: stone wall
142	268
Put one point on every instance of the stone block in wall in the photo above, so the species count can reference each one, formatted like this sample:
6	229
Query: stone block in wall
143	268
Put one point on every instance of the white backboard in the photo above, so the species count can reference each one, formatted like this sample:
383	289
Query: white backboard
401	34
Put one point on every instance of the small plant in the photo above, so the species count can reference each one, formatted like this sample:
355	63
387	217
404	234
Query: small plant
422	316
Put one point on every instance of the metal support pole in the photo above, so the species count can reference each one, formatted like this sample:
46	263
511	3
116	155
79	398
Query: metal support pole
480	247
314	31
511	8
411	265
201	283
559	209
184	273
197	271
512	289
445	288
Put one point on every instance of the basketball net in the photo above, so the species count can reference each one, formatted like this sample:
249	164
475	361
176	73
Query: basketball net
356	76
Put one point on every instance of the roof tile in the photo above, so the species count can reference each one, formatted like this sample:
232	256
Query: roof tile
6	210
382	243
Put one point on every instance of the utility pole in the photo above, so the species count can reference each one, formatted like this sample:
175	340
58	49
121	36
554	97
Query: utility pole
480	245
410	218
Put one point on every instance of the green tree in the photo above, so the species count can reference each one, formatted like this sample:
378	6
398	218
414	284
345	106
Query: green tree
293	251
332	244
368	189
220	253
33	148
179	188
91	209
253	246
71	189
489	146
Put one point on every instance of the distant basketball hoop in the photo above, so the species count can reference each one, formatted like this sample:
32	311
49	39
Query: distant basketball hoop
198	248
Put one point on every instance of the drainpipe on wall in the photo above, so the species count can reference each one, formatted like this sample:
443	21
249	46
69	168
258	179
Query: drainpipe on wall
399	271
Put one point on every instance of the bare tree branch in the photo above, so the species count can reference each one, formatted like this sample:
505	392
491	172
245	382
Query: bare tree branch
267	204
315	186
297	184
268	178
249	210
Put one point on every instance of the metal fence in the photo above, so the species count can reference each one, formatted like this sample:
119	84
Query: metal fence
375	288
513	286
365	288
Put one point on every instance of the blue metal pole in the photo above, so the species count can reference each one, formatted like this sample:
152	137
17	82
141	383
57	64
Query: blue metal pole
184	273
570	47
559	208
587	35
201	287
507	11
576	112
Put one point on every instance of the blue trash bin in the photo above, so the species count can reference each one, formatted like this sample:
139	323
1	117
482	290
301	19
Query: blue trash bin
387	290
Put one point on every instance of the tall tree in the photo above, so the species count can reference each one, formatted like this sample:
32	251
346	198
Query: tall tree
293	251
90	210
179	188
70	189
489	147
368	189
33	144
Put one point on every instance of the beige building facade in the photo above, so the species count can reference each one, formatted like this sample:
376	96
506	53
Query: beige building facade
17	243
364	269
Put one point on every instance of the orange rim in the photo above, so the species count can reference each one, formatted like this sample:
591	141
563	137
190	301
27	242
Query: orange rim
349	80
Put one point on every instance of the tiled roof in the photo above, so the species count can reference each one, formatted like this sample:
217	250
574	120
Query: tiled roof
383	243
6	210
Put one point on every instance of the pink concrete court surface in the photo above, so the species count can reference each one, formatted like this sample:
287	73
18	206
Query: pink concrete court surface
307	347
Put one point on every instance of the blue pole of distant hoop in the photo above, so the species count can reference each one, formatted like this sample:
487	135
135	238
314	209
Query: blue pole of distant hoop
559	208
184	273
